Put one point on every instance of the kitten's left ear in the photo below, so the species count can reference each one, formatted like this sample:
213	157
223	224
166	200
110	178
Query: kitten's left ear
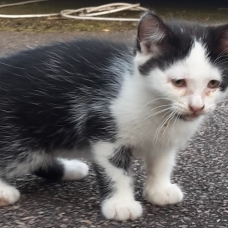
221	40
152	34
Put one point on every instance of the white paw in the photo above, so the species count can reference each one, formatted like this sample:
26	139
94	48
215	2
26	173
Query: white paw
8	194
171	194
74	169
123	210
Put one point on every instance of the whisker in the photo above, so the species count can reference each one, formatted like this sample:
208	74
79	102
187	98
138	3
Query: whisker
177	116
160	127
173	114
156	113
159	107
221	54
152	101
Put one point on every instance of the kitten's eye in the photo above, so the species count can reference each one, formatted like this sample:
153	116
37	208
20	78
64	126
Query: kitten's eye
213	84
179	82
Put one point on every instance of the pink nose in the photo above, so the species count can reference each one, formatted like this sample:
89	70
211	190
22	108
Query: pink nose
196	108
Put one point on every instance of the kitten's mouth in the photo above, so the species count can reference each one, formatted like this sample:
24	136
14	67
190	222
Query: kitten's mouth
188	117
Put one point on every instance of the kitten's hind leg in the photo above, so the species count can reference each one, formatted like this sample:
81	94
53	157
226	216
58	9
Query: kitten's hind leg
73	169
112	165
62	169
8	194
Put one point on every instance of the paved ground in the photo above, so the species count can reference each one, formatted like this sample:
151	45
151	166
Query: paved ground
202	171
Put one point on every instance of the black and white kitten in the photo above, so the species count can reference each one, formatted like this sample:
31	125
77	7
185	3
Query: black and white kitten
99	98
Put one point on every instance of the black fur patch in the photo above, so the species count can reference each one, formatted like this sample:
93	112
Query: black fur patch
177	43
122	158
52	172
175	46
106	186
217	44
57	97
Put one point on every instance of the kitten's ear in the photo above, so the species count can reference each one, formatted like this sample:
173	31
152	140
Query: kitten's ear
151	33
222	39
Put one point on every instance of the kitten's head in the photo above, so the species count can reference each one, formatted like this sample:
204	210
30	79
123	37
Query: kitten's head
184	63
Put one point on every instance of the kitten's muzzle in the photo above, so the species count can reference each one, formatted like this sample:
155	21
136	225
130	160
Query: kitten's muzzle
196	109
194	112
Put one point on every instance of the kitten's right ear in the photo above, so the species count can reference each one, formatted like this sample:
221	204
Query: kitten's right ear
151	33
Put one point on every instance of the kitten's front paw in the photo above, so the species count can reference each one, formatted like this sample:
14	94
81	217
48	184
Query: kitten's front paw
171	194
8	195
123	210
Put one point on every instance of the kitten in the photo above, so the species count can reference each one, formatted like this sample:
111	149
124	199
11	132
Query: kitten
99	98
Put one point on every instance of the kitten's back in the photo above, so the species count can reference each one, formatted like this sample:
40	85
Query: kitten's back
45	92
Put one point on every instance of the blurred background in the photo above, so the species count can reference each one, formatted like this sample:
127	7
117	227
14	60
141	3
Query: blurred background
206	11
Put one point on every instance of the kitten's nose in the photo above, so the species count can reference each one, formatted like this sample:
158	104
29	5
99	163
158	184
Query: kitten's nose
195	108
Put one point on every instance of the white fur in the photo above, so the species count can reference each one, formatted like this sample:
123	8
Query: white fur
141	59
197	71
121	205
158	188
141	96
121	209
170	194
74	169
142	124
8	194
